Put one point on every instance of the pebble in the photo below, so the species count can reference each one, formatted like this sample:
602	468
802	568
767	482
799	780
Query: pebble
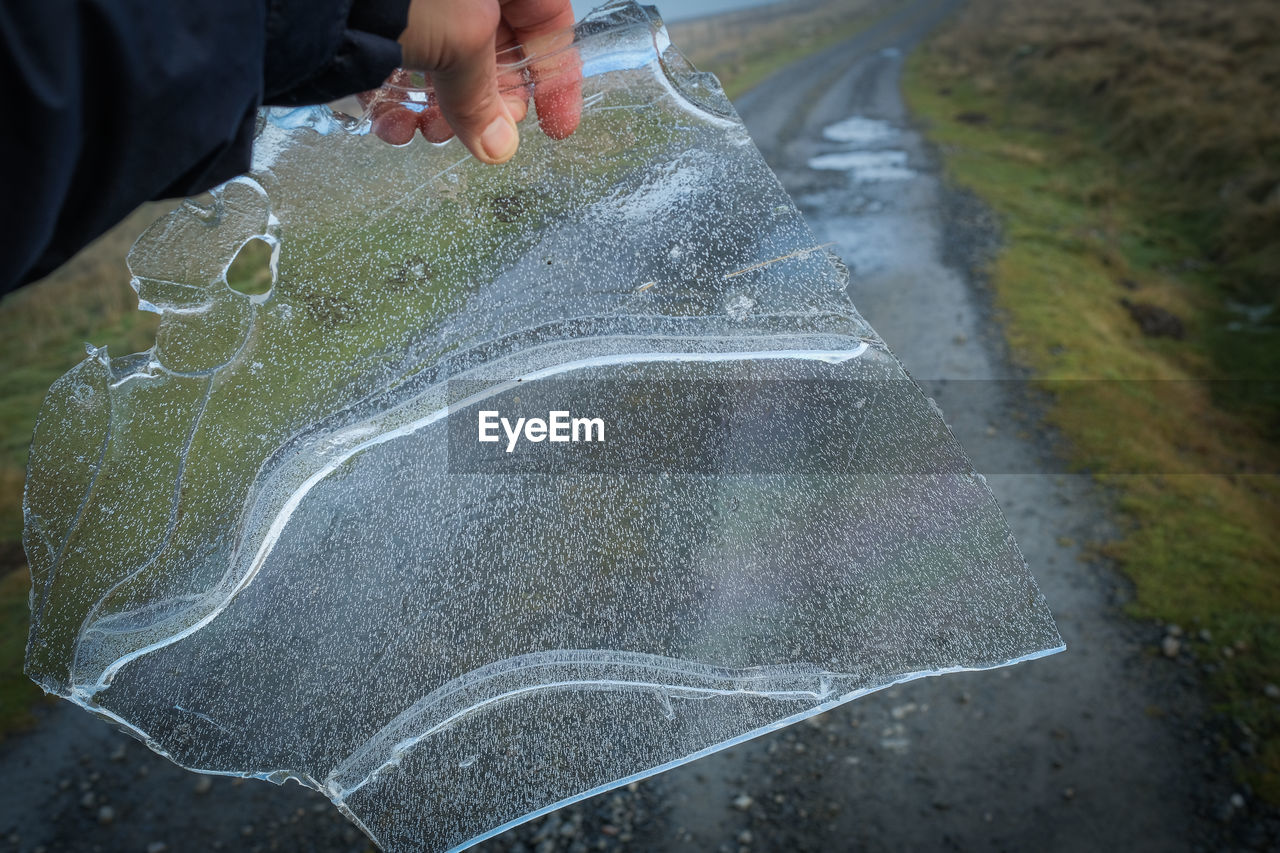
1170	646
87	800
106	815
1271	691
1069	793
157	847
745	837
118	754
743	802
203	785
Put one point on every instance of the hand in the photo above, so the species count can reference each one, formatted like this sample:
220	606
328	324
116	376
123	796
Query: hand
461	44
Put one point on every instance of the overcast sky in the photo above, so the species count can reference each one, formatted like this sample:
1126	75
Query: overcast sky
674	10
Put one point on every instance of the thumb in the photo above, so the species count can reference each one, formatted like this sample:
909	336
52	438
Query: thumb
469	99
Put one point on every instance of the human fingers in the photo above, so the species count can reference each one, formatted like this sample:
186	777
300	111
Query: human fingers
544	28
457	48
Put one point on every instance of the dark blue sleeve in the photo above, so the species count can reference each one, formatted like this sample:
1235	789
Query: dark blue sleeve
114	102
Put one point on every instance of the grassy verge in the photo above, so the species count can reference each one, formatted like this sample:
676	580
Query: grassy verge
1091	231
743	48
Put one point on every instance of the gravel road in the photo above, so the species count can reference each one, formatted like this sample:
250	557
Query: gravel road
1102	747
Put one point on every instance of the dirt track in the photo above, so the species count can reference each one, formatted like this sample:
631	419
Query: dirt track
1097	748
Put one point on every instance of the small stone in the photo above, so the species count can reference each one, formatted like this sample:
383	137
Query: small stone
1173	630
64	784
246	830
204	785
1271	691
157	847
1237	801
1170	646
745	837
118	753
1228	652
568	830
742	802
1205	635
88	800
106	815
1069	793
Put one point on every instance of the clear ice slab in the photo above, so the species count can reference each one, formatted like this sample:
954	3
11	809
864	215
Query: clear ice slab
268	546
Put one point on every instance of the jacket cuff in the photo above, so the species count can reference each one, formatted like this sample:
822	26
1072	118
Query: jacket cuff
352	50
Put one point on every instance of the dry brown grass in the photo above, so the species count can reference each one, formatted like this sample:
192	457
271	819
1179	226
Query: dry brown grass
1187	90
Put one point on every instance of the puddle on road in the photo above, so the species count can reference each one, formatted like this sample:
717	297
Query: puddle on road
859	130
866	166
862	164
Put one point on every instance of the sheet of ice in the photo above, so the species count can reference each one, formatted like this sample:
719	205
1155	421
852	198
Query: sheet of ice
271	546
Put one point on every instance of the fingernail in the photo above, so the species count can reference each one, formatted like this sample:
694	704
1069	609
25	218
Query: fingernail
500	139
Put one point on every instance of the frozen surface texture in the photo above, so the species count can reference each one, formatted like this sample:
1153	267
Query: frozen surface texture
266	547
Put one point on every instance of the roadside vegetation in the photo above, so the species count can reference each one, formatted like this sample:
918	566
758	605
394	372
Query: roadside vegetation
742	48
1132	152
